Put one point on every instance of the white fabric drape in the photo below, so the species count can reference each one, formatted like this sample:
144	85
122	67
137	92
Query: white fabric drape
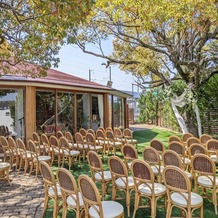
101	109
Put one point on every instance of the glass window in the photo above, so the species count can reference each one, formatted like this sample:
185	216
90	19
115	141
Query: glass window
83	111
65	112
45	112
110	105
12	113
97	111
118	112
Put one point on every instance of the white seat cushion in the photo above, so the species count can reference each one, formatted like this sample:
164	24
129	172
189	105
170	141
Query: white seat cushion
214	158
71	153
155	169
180	200
44	158
107	176
98	148
52	193
205	181
188	174
121	182
145	189
71	202
110	209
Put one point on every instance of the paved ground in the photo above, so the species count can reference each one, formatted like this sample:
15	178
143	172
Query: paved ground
23	198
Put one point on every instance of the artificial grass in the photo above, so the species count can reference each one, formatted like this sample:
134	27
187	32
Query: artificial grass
143	137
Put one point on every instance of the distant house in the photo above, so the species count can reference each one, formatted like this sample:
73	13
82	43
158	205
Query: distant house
60	101
132	101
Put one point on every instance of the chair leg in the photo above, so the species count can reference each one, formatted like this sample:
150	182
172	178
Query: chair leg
128	202
214	200
45	204
136	206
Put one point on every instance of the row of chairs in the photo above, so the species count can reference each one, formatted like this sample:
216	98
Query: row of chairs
82	198
104	141
22	156
177	186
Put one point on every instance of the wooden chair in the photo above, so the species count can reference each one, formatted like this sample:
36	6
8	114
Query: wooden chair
174	138
15	152
204	138
83	132
130	153
191	141
52	189
151	156
180	150
59	134
102	140
92	144
71	197
128	136
46	144
25	155
91	131
112	143
120	180
102	128
57	151
68	153
179	192
196	148
171	158
94	207
97	171
36	158
204	170
157	145
6	149
109	128
212	147
185	137
36	139
69	138
81	145
145	186
119	135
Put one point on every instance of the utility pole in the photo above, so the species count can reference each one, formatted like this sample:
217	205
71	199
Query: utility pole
90	75
109	73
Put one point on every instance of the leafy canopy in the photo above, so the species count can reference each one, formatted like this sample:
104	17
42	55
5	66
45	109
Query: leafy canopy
33	31
157	40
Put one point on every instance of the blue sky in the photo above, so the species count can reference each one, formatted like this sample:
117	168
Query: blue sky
74	61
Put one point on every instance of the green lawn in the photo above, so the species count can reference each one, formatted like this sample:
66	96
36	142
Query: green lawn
143	137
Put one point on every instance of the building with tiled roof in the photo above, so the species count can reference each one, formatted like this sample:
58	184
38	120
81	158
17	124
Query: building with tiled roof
59	101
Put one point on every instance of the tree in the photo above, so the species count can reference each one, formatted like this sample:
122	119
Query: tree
33	31
159	41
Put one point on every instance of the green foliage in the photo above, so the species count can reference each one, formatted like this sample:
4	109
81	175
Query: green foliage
33	31
208	104
154	106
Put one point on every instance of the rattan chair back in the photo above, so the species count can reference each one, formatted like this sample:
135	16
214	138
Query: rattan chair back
196	148
185	137
83	132
191	141
174	138
158	145
59	134
171	158
204	138
90	194
69	191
